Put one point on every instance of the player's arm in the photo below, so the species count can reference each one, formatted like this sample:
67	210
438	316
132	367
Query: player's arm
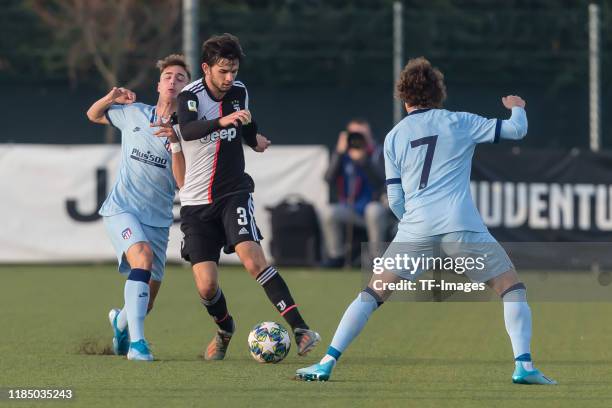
98	112
262	143
166	129
193	129
514	128
395	192
484	130
178	163
251	137
187	115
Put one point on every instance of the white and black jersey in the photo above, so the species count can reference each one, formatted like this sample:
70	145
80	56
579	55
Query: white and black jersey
214	158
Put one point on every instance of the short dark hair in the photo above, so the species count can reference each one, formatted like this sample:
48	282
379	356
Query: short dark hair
421	84
172	60
224	46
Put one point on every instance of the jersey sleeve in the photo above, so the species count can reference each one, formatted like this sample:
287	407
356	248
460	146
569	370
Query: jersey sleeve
392	171
249	132
116	115
481	130
187	107
395	193
187	115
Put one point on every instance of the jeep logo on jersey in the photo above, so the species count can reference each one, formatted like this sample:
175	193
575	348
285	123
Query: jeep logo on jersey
223	134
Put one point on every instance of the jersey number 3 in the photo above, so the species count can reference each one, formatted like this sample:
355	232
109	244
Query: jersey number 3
242	216
430	141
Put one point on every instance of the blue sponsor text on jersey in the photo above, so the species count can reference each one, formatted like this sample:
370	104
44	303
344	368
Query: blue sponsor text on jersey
148	158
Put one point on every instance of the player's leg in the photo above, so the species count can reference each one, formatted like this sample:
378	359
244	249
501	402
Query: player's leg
158	242
154	286
212	298
500	275
351	325
131	245
369	300
517	318
358	313
118	317
243	237
137	297
278	292
201	247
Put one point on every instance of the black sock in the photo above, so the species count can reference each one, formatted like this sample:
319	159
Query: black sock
217	308
279	295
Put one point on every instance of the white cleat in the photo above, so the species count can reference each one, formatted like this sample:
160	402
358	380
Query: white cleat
139	351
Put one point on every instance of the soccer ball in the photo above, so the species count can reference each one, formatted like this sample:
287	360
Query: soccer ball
269	342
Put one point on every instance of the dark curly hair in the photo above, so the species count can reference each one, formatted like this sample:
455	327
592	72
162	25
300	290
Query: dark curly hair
421	84
217	47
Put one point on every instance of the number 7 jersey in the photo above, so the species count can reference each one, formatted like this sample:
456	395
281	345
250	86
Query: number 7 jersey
430	153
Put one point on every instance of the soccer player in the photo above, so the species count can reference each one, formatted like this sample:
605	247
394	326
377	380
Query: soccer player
216	200
138	211
428	159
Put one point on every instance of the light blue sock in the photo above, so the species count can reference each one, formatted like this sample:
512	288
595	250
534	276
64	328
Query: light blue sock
122	321
354	320
136	296
517	317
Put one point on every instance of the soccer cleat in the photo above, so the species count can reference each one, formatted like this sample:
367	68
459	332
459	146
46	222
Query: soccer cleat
523	376
306	340
218	346
121	339
316	372
139	350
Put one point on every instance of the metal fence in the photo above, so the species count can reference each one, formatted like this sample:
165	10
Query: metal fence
484	48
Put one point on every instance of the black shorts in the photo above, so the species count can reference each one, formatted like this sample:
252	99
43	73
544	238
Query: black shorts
208	228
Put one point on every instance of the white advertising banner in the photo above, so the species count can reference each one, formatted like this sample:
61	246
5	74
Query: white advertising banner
51	194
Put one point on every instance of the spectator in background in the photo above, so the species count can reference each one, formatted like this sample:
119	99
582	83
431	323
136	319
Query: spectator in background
356	173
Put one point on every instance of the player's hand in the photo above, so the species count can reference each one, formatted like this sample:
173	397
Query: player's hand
121	95
342	144
165	129
511	101
241	117
262	143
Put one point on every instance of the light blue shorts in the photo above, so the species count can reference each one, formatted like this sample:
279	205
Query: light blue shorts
125	230
476	254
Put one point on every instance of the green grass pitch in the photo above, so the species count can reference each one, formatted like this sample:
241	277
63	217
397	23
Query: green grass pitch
410	354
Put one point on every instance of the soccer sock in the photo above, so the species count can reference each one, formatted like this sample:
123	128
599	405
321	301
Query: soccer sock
354	320
217	308
122	321
517	317
136	294
278	293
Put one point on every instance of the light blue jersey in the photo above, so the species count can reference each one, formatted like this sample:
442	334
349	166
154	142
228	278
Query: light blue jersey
145	185
429	154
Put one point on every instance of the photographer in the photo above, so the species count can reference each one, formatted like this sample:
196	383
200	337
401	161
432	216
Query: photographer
356	174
